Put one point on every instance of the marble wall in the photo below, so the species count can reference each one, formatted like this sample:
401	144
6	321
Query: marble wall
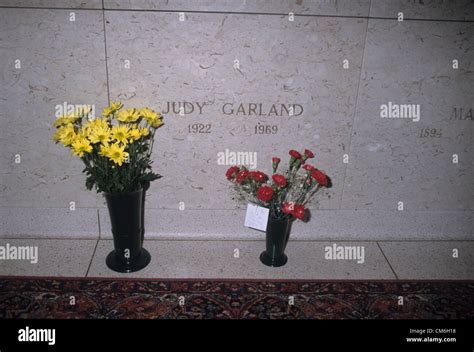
338	61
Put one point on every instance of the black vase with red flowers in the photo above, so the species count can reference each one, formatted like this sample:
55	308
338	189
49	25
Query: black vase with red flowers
276	238
285	194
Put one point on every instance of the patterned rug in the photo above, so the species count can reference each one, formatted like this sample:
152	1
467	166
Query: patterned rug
233	299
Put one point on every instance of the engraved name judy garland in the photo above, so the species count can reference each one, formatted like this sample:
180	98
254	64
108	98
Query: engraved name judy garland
235	109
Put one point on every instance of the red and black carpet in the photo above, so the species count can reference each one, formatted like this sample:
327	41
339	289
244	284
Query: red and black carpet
63	298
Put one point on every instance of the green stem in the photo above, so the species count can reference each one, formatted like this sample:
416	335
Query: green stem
304	191
317	188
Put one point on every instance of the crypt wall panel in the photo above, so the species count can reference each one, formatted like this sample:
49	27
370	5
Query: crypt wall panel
61	61
395	159
279	63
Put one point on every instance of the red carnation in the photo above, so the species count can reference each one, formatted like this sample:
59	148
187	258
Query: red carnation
258	176
309	153
287	207
320	177
308	167
265	193
242	176
295	154
275	162
232	172
298	211
279	180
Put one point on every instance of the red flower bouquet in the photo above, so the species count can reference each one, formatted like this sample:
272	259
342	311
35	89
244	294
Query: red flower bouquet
284	193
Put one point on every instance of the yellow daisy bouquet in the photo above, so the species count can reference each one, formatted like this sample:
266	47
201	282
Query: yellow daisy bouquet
115	147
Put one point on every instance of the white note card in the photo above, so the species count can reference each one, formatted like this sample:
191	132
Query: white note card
256	217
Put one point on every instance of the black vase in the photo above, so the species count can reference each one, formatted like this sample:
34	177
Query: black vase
277	234
126	218
145	186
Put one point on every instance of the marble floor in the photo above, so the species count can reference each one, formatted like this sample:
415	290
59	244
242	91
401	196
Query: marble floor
383	260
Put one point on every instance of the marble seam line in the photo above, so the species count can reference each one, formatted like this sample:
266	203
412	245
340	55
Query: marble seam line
106	58
92	257
175	239
98	224
351	131
388	262
237	13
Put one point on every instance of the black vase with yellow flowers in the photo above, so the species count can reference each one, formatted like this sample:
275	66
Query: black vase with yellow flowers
116	151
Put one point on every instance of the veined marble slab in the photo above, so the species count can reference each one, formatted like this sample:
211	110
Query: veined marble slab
424	9
60	61
396	159
88	4
155	59
307	7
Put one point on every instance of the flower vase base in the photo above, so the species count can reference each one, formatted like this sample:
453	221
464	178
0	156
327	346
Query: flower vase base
271	261
119	265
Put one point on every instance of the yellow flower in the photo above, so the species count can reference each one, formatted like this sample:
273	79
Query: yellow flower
128	115
84	131
104	149
120	133
117	105
144	131
102	123
100	135
156	123
117	154
60	121
97	123
94	126
114	107
80	146
149	114
135	134
65	120
65	134
58	134
153	118
84	110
